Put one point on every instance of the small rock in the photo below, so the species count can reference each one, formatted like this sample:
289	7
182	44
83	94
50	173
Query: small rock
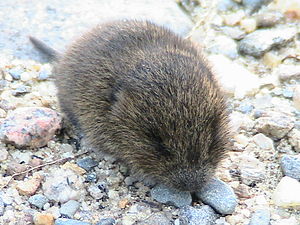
45	72
291	166
287	93
3	154
38	200
106	221
260	217
286	194
294	139
276	125
272	60
159	218
2	207
16	72
234	78
2	113
63	185
225	5
26	76
234	18
268	19
30	126
74	167
287	72
263	141
254	5
69	208
63	221
123	203
43	219
194	216
166	195
30	186
248	25
91	177
21	90
252	170
87	163
225	46
130	180
260	41
296	97
242	191
218	195
289	221
245	108
290	8
233	32
95	191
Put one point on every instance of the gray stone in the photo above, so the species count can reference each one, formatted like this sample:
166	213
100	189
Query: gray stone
87	163
246	107
69	208
91	177
260	217
252	170
261	41
38	200
291	166
1	206
204	215
219	196
166	195
63	221
225	46
106	221
287	93
225	5
268	19
16	72
254	5
276	125
65	26
263	141
21	90
234	32
287	72
159	218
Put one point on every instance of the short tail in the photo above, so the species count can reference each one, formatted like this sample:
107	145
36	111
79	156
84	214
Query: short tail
51	53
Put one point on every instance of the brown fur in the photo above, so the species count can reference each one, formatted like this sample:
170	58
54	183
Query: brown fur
146	96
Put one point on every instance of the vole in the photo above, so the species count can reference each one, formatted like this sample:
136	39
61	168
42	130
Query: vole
146	96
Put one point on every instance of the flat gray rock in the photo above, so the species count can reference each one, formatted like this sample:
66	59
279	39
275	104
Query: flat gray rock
69	208
63	221
38	200
260	217
291	166
204	215
169	196
58	22
219	196
260	41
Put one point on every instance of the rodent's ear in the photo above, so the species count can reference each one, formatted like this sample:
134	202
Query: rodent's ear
51	53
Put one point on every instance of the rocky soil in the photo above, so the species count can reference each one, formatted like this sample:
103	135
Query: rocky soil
47	178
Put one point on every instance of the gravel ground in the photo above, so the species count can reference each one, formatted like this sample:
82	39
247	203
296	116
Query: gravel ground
254	48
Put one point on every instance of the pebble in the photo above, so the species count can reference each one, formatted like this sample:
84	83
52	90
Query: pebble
45	72
16	72
268	19
219	196
2	207
277	125
252	170
95	191
21	90
294	139
234	18
296	97
91	177
26	76
225	46
63	185
291	166
106	221
87	163
290	8
43	219
69	208
159	218
286	194
260	41
254	5
74	167
287	93
166	195
248	25
242	191
287	72
263	141
226	5
63	221
38	200
194	216
260	217
233	32
30	126
245	107
239	82
3	154
30	186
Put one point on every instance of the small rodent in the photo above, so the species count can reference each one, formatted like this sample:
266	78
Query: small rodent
146	96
